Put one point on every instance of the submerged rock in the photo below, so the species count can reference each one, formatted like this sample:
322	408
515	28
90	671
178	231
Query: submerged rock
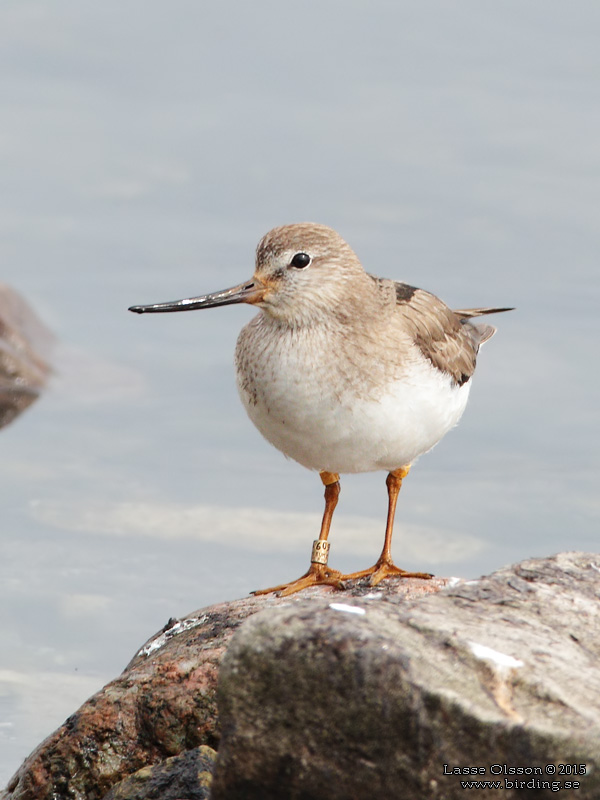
24	349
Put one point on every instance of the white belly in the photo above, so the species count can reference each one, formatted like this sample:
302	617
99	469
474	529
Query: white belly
298	405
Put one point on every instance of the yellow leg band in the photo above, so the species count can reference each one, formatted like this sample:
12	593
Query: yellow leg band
329	477
320	551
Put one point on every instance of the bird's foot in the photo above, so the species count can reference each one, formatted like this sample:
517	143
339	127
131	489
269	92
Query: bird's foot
384	569
317	575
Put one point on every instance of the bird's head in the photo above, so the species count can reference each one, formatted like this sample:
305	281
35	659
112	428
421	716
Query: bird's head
304	269
301	271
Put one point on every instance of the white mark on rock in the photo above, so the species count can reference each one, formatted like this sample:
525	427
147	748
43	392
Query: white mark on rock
453	582
499	659
179	627
347	609
594	566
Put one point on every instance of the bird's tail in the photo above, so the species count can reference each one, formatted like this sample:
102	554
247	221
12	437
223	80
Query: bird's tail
467	313
482	332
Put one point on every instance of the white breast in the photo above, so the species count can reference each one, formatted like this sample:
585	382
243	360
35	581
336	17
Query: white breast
312	408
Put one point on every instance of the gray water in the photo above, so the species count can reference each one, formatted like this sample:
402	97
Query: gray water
145	148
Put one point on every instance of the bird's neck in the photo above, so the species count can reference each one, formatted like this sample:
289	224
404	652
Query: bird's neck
328	307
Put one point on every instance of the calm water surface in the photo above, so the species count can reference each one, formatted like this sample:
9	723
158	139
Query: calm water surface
145	149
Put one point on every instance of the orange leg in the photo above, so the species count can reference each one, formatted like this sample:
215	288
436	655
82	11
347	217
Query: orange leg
318	573
385	567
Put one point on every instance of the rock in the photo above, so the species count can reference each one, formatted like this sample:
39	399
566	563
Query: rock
370	697
163	704
24	346
184	777
368	693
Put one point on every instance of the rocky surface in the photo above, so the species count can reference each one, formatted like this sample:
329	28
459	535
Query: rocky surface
163	704
371	698
383	692
25	346
188	776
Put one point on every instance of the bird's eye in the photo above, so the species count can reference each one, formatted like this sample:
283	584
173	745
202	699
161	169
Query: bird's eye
300	260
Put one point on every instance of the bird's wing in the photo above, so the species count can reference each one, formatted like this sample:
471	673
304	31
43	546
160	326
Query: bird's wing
444	337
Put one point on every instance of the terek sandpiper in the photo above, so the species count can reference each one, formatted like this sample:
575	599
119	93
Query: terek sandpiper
345	372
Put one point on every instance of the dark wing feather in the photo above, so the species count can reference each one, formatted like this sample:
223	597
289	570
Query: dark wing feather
444	337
